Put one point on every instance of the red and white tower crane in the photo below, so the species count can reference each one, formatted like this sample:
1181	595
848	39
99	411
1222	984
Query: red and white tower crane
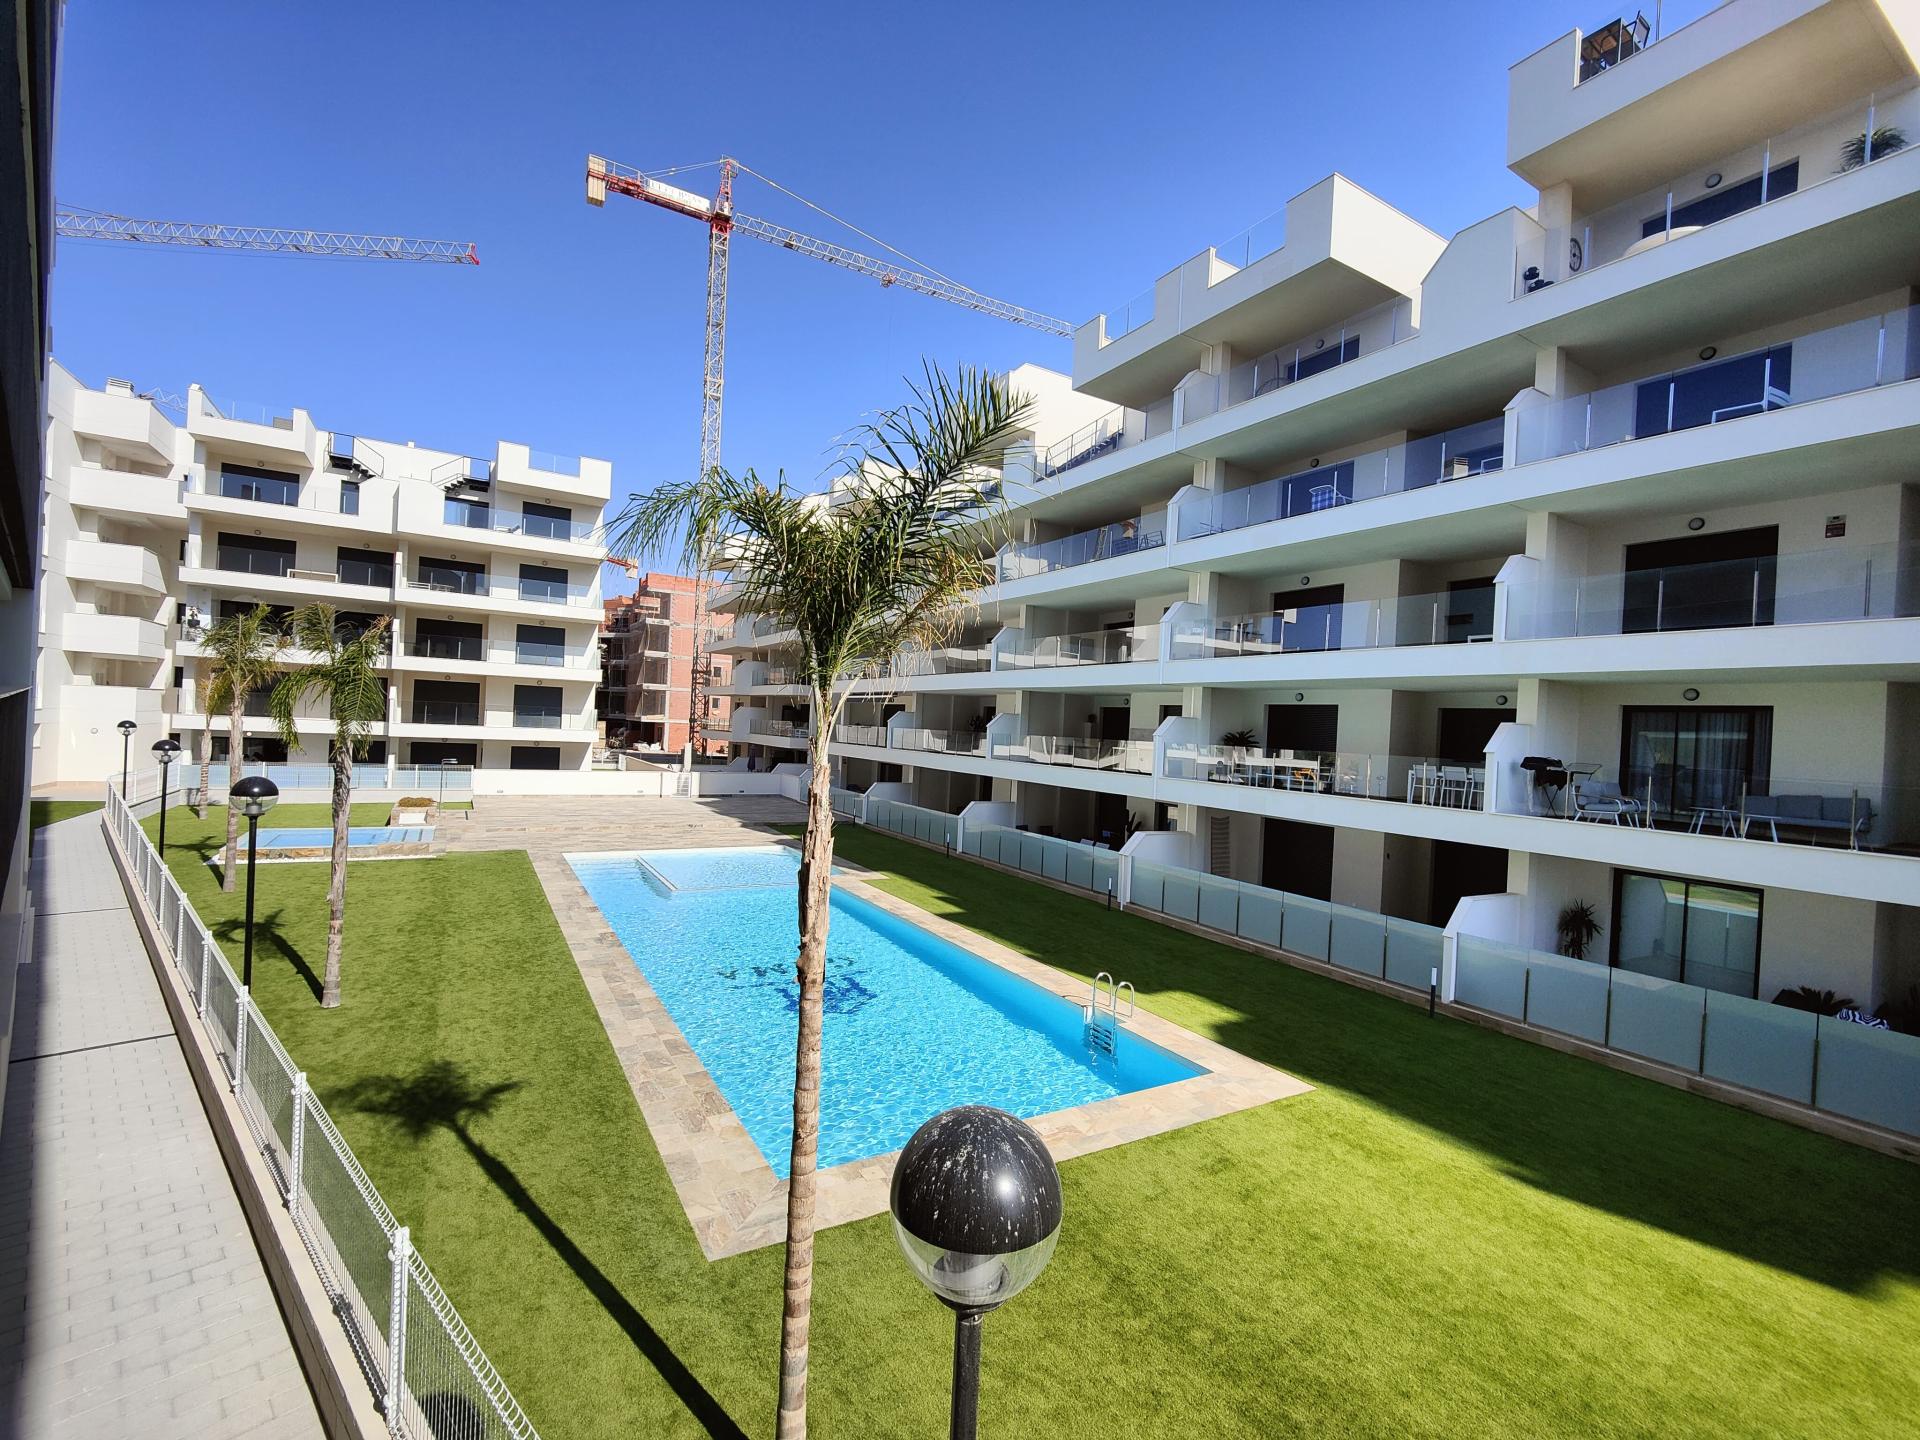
716	212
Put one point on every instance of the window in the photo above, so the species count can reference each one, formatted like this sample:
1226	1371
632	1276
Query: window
448	640
1348	349
1708	394
457	577
254	554
543	582
445	702
1306	619
268	487
1727	200
443	752
468	514
555	522
179	676
540	645
277	615
364	567
349	497
533	757
254	749
537	705
1694	759
1687	930
1700	582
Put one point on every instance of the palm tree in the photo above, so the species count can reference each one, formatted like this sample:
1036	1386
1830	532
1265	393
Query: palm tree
859	582
208	692
244	651
345	669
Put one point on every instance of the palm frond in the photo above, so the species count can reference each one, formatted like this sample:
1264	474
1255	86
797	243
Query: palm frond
345	671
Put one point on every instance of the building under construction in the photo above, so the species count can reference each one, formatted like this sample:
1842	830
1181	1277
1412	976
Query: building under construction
649	648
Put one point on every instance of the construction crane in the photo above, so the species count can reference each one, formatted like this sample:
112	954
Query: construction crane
99	225
716	212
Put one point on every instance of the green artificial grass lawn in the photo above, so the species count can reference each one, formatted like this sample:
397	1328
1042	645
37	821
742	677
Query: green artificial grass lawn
1455	1234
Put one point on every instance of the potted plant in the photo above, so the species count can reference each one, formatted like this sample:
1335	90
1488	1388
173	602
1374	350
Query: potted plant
1578	928
1861	148
1239	739
1813	999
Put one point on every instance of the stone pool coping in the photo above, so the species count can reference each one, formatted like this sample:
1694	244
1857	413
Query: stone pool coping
732	1198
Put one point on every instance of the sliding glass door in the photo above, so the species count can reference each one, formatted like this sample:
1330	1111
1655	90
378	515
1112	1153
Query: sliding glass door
1686	930
1694	758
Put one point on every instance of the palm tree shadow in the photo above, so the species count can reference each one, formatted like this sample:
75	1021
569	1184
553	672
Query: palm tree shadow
268	941
441	1095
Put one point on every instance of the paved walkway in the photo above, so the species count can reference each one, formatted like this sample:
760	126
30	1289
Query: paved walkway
132	1299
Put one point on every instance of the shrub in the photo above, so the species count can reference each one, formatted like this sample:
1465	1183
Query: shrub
1807	997
1578	928
415	802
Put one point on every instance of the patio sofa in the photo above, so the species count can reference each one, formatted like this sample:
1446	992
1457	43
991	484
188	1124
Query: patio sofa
1818	814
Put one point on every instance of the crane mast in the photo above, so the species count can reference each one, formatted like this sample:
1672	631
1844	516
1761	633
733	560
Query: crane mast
76	225
718	214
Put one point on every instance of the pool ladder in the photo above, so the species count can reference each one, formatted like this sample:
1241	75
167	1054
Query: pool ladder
1104	1015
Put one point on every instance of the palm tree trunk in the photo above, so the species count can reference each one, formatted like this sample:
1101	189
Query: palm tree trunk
337	884
206	750
816	880
236	746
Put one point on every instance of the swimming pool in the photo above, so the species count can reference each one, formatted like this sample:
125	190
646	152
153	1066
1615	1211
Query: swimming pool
321	836
914	1024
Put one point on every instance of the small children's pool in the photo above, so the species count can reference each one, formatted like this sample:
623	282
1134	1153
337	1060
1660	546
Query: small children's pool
321	836
914	1024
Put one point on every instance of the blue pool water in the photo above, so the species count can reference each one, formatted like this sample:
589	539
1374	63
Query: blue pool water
913	1023
307	838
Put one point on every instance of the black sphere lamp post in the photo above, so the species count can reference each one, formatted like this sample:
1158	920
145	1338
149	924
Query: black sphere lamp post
976	1209
252	796
164	751
126	729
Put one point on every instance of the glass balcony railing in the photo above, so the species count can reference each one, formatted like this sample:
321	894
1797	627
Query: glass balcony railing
447	647
1449	618
1256	242
1837	144
1813	587
948	660
260	489
554	592
1124	537
942	742
1408	779
1844	359
535	652
252	562
468	514
1086	647
539	719
1127	757
1131	316
875	735
554	464
446	712
1377	329
449	582
1467	450
1113	431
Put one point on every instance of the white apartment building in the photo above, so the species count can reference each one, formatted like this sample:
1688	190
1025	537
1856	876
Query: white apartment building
1570	558
486	567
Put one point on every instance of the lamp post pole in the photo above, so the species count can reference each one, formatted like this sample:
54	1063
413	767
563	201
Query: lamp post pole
126	728
164	750
252	796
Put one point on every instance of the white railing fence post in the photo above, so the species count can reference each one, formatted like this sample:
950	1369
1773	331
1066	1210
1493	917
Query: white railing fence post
398	1258
206	972
240	1003
297	1150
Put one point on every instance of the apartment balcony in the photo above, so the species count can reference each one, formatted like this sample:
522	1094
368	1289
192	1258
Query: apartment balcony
119	637
1118	757
1122	645
1441	618
947	660
126	424
872	736
463	590
457	654
1338	251
131	569
153	498
1457	454
1086	547
520	468
319	502
266	578
940	742
246	427
1861	355
508	529
1680	101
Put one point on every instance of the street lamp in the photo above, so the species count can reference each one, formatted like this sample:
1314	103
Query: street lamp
252	797
446	762
126	729
976	1209
164	751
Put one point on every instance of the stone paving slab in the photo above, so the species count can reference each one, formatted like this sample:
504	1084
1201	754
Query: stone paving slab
132	1299
732	1199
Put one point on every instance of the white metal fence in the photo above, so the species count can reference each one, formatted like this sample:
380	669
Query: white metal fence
425	1368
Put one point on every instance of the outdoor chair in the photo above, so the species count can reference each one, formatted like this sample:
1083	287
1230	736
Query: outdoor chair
1602	800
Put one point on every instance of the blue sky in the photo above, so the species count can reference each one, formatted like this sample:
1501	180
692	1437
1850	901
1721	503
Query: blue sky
1060	156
